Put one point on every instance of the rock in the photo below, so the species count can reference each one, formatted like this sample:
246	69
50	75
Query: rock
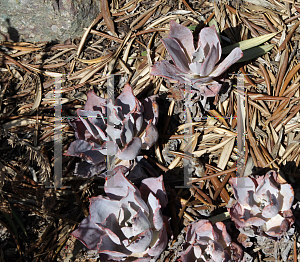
46	20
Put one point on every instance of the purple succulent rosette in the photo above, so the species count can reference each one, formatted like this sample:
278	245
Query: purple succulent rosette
128	223
262	205
207	242
196	67
106	129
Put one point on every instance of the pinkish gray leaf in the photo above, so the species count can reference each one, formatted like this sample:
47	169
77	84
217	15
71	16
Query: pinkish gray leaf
232	58
156	186
123	223
113	129
208	241
183	35
177	53
196	68
261	203
150	136
88	233
131	149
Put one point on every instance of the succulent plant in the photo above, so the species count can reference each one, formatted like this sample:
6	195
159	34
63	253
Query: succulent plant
128	222
195	67
262	205
105	129
207	242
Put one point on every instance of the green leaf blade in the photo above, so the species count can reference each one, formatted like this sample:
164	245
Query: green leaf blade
247	44
255	52
11	223
17	217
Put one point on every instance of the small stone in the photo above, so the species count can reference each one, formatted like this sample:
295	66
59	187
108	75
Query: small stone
46	20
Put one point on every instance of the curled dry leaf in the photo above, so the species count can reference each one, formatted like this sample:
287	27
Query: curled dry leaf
105	128
196	67
107	16
208	242
262	205
38	95
128	222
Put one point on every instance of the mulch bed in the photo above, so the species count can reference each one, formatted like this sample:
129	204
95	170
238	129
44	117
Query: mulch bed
36	220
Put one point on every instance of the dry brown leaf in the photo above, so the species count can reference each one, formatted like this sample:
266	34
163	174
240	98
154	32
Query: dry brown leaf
225	155
213	148
96	60
38	95
107	17
87	31
20	48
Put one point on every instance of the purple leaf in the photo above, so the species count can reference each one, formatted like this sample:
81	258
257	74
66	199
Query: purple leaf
188	255
177	54
127	100
88	122
109	148
201	232
122	223
85	169
259	204
208	36
135	200
184	36
217	252
272	227
285	197
80	130
117	186
155	215
156	186
114	113
209	62
209	89
86	151
94	102
150	137
220	228
166	70
151	110
127	130
88	233
112	228
131	150
113	250
140	223
159	246
206	240
241	188
196	67
77	147
265	186
101	208
139	121
141	242
232	58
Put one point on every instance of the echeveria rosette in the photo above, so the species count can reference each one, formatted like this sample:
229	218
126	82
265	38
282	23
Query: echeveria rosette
208	242
128	222
105	128
262	205
195	66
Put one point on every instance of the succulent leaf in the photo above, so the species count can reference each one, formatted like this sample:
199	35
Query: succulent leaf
197	68
210	242
124	224
261	204
107	129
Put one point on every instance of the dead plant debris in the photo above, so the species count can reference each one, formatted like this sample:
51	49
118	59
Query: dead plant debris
249	129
